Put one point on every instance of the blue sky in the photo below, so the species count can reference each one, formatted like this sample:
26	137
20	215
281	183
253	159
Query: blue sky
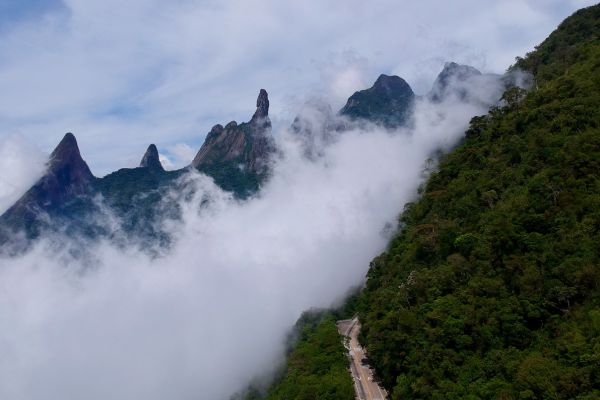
14	11
121	75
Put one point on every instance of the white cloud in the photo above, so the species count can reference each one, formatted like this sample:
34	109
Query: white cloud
204	319
21	164
121	76
183	154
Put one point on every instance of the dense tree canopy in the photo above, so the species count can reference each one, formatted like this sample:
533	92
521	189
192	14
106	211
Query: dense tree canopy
492	288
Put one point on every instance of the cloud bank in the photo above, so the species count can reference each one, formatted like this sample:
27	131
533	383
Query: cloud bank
203	320
122	76
22	164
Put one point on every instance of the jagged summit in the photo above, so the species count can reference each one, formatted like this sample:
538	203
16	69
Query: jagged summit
262	105
261	116
66	158
391	85
66	178
236	156
387	102
151	159
67	172
452	75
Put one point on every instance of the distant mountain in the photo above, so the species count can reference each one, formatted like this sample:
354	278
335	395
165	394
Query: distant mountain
387	102
128	204
67	176
151	159
67	182
451	80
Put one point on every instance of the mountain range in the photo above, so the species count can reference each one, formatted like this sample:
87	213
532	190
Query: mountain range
130	202
490	289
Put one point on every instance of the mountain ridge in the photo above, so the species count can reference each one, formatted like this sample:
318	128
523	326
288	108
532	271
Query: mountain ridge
236	156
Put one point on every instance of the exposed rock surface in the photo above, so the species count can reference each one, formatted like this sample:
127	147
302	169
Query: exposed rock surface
67	176
151	159
67	179
237	156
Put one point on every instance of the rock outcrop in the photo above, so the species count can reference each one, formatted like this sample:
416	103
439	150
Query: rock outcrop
67	176
151	159
388	102
237	156
66	181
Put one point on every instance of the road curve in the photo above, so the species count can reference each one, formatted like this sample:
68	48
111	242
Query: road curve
364	384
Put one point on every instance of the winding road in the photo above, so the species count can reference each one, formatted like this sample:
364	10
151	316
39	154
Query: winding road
364	384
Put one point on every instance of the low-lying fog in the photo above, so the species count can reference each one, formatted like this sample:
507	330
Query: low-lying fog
204	319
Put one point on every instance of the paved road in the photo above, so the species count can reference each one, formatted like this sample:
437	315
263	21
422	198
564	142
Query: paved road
364	385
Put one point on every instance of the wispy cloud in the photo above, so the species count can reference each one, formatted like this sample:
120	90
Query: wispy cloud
123	75
205	318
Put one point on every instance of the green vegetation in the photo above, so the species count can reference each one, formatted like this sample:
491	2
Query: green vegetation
317	367
492	288
561	49
136	195
231	176
237	174
388	102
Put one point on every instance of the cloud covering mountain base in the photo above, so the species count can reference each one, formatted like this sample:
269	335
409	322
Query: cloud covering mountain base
210	315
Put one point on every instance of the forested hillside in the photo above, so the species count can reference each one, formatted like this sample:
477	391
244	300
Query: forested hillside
317	368
491	290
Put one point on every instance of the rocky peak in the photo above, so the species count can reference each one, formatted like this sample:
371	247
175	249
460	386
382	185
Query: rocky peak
453	76
66	163
262	104
460	71
151	159
67	177
387	102
261	115
236	156
214	133
391	86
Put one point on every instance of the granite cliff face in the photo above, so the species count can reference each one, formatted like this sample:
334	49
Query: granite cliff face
237	156
67	176
67	182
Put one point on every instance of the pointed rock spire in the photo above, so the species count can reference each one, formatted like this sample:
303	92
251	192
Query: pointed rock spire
66	162
262	106
236	155
151	159
67	177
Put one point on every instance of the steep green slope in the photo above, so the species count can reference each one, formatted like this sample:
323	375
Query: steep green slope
317	368
492	288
